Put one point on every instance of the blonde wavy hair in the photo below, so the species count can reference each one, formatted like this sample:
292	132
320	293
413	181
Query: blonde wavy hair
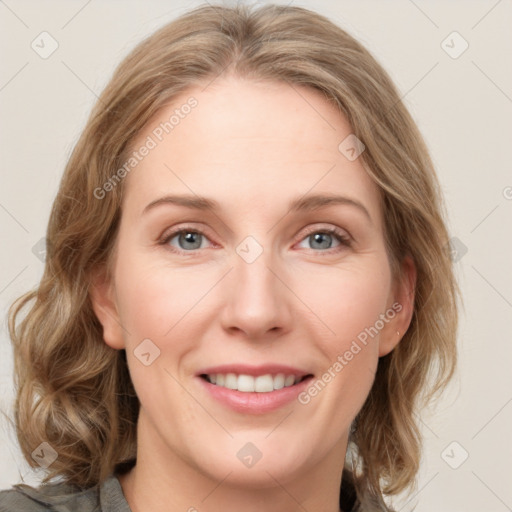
75	392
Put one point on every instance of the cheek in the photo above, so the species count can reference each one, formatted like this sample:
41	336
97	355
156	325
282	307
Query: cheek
159	303
348	300
350	303
154	298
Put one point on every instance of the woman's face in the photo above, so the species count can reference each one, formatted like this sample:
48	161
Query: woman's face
271	289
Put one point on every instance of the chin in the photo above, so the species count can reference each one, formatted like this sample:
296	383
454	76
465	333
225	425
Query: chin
251	461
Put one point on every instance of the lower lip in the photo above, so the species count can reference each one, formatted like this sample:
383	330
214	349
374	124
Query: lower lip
255	403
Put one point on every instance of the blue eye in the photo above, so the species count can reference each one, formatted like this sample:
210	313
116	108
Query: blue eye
326	240
187	240
323	239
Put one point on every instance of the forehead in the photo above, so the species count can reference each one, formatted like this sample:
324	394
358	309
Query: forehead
250	144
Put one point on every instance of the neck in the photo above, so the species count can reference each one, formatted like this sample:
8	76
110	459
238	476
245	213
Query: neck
163	481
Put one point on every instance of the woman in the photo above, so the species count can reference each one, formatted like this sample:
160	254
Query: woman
253	368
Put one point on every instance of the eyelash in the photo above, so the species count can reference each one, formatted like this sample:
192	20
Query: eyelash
344	240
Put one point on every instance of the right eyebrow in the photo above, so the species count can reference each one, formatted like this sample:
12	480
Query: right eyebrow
189	201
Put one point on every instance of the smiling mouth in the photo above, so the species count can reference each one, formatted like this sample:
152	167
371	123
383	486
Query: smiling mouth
251	384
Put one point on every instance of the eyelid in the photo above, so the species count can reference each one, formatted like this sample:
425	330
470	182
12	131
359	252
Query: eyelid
182	226
331	229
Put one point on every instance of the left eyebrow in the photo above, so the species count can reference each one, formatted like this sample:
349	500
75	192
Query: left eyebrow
318	201
308	203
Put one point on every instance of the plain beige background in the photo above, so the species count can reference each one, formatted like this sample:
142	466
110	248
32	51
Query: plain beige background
462	102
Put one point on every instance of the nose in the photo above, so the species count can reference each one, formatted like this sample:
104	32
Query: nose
258	301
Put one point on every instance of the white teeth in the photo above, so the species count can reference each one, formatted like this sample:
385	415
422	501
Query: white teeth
231	381
248	383
264	384
279	381
289	381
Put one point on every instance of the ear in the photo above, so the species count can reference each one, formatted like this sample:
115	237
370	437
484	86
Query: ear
402	304
102	295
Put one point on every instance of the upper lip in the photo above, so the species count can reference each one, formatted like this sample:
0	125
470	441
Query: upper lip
244	369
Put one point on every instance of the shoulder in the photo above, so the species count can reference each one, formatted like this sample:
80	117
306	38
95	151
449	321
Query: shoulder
12	500
58	497
53	497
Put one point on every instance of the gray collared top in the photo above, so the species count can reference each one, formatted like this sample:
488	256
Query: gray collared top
60	497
